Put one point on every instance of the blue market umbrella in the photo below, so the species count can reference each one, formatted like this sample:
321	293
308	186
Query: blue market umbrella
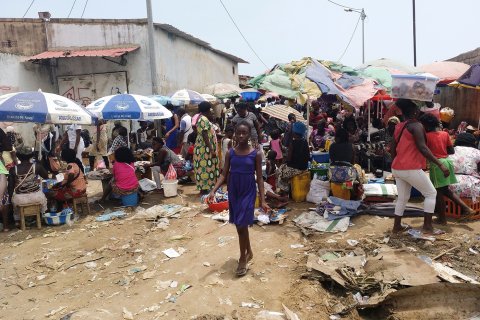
128	107
42	107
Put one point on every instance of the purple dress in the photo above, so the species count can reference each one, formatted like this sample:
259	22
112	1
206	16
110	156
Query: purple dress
241	188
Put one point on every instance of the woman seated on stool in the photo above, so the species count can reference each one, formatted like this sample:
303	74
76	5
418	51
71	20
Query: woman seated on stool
124	181
23	184
163	157
74	184
342	158
297	158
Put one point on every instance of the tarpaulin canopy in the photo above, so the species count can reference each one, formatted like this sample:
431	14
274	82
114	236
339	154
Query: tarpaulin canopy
470	79
446	71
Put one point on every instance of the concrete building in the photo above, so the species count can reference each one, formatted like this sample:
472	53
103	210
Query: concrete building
85	59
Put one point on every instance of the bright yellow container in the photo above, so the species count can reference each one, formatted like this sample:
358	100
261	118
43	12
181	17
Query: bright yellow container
300	186
339	192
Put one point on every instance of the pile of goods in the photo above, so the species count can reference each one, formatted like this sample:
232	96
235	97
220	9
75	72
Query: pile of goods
415	87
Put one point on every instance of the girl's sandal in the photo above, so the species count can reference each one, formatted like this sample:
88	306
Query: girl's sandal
241	271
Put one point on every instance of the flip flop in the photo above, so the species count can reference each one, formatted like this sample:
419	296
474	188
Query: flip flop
241	272
436	232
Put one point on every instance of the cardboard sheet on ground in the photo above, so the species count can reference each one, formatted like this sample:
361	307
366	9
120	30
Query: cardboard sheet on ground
313	221
389	266
435	301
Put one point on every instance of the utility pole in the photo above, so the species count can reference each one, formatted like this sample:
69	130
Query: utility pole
151	49
414	36
363	16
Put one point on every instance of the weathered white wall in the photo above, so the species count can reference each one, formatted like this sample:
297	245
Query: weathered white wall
18	76
183	64
180	63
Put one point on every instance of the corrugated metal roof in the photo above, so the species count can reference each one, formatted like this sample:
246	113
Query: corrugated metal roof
79	52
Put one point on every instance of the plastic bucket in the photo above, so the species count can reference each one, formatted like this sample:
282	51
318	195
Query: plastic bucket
170	188
130	200
300	186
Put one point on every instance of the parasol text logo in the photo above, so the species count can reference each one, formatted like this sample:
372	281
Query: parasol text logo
60	103
24	105
122	106
98	103
145	102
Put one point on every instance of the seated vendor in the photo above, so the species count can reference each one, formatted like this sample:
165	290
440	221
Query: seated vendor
23	183
162	158
74	184
466	162
297	158
124	181
342	158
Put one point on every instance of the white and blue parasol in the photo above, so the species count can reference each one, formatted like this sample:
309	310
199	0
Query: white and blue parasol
42	107
187	96
128	107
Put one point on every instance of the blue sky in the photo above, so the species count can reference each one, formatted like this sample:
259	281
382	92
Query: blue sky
282	30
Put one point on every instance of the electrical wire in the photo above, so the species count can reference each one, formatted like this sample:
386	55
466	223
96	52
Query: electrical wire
244	38
341	5
350	41
31	3
73	5
84	7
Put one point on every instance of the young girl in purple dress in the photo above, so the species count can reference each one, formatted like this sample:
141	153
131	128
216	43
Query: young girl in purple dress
241	165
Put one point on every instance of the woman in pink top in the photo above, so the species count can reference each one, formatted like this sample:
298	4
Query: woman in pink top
276	145
409	152
124	180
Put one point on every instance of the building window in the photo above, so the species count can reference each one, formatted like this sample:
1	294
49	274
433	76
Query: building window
233	69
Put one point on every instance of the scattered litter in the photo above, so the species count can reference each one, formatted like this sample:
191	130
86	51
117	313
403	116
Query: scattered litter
160	211
360	299
107	216
162	285
160	223
289	314
90	265
473	250
174	284
127	315
313	221
418	234
352	242
263	279
171	253
446	273
41	277
335	317
29	237
269	315
55	311
297	246
180	237
250	305
222	216
206	264
331	241
137	269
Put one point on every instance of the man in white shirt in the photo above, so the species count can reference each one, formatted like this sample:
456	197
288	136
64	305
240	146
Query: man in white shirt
75	140
185	130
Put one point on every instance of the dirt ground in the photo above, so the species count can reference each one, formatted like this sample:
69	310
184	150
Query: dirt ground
116	269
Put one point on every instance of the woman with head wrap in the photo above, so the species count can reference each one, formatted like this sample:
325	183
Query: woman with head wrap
297	158
23	183
205	159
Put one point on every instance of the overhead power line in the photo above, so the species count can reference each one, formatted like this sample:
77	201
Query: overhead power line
341	5
71	9
244	38
350	41
31	3
84	7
